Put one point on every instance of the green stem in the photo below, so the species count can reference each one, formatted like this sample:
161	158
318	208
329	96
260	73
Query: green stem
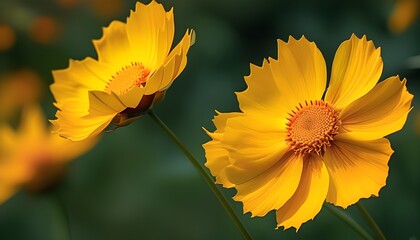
347	219
379	234
65	232
228	208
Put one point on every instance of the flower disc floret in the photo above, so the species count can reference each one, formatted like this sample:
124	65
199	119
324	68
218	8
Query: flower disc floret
312	127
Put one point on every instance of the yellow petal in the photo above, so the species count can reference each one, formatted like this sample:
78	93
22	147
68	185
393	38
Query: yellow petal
33	123
78	127
78	78
254	145
87	74
177	60
271	189
380	112
216	154
102	103
11	168
221	119
133	97
77	121
262	97
356	69
300	71
113	48
8	138
307	201
217	161
358	169
154	82
163	77
150	32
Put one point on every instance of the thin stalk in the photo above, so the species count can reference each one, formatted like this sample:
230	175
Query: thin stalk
347	219
228	208
378	232
65	232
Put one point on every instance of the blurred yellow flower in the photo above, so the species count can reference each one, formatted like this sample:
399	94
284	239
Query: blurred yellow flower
18	88
32	157
290	148
403	15
134	70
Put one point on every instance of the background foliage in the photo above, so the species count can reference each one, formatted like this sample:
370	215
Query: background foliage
135	184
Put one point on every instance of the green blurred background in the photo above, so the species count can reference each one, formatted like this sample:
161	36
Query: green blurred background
136	184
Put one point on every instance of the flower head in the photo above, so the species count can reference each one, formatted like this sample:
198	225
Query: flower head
32	157
290	148
135	67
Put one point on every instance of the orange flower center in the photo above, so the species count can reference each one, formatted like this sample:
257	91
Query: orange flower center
134	75
312	127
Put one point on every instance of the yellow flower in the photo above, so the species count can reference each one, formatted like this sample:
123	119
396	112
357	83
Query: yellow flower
403	15
134	70
290	148
18	88
33	157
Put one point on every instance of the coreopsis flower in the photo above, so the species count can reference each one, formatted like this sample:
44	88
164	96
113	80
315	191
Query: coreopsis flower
135	67
403	15
32	157
291	147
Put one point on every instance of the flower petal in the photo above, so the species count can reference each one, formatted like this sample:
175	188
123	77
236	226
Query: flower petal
216	154
271	189
102	103
163	77
254	145
307	201
358	169
33	125
87	74
14	169
133	97
380	112
154	82
113	48
262	97
300	71
356	69
177	59
217	161
150	33
219	122
78	78
77	125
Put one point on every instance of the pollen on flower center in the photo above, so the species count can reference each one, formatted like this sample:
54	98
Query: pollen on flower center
312	127
134	75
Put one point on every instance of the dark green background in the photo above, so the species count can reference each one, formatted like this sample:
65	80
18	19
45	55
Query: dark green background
136	184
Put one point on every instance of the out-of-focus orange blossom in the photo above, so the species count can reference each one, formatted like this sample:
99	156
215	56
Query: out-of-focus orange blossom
7	37
18	88
44	29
